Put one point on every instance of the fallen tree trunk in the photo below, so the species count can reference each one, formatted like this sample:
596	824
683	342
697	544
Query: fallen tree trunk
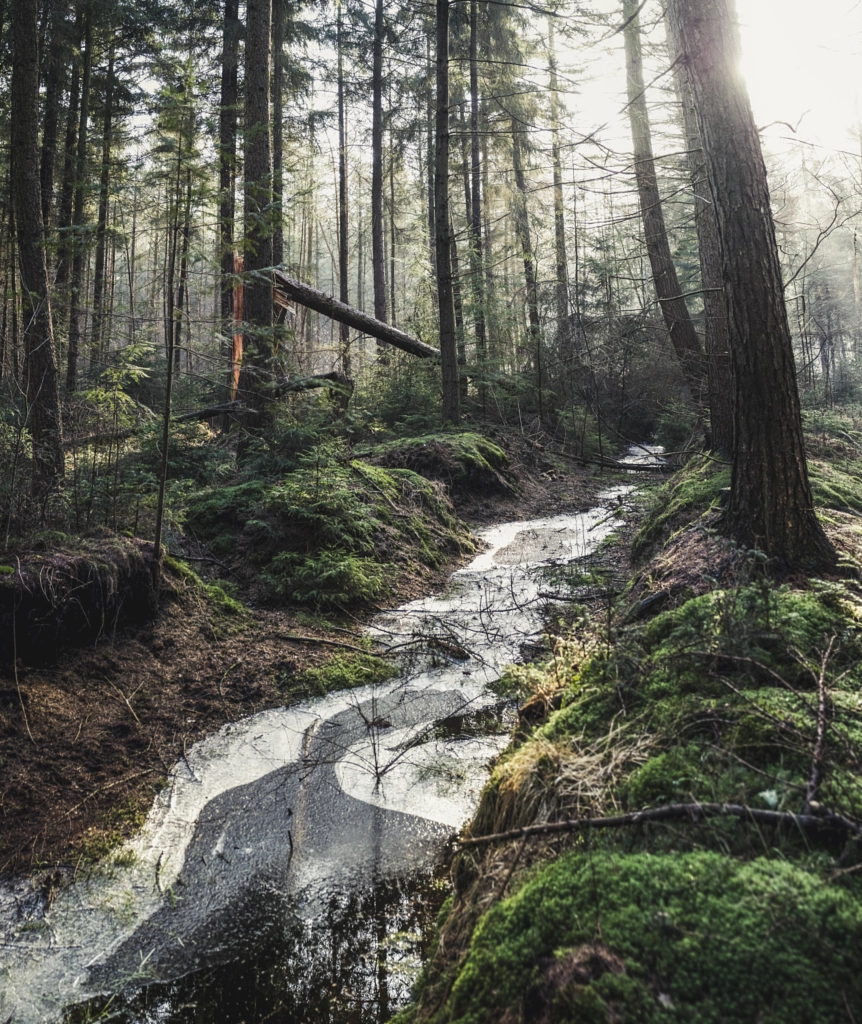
320	302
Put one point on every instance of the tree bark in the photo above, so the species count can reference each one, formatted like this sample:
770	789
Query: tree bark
442	230
102	223
770	505
320	302
40	367
522	222
719	377
343	212
259	351
561	285
77	245
278	16
683	336
67	188
476	269
378	267
55	79
227	170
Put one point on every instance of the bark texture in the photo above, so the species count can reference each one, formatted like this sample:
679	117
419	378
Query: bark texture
259	352
40	367
227	169
770	504
378	266
442	229
683	336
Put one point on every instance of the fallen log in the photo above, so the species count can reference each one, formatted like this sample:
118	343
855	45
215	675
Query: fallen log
320	302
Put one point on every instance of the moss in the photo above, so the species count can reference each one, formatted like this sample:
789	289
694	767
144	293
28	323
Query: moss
6	570
219	513
688	496
696	937
465	461
347	671
216	595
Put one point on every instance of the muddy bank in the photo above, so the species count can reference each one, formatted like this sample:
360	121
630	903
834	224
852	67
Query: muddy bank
108	721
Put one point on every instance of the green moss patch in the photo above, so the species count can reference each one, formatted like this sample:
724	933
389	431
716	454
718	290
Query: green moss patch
688	938
347	671
465	461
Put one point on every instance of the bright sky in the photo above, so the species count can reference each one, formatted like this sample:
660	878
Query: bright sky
804	57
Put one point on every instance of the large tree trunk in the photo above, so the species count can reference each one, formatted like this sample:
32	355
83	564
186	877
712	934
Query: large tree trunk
719	376
40	367
77	243
770	506
683	336
96	339
378	265
227	170
259	351
442	230
343	217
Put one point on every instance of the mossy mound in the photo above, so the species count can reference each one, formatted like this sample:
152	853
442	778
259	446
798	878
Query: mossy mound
697	937
466	462
72	592
336	531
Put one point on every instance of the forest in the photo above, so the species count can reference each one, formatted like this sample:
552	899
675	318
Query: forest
431	510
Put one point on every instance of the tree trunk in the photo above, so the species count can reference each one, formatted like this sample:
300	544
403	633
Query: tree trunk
719	377
227	170
561	285
67	188
476	270
442	231
258	355
77	245
378	266
278	15
770	506
524	242
320	302
683	336
429	164
40	367
102	225
55	80
343	212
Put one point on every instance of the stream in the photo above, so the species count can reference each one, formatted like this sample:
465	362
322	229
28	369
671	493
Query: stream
291	866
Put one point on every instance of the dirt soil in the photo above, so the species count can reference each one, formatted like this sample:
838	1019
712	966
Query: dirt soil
85	744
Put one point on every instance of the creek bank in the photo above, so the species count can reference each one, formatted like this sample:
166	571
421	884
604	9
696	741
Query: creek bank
732	690
296	808
109	720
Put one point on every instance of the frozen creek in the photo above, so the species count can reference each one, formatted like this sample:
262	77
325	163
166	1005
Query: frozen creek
285	872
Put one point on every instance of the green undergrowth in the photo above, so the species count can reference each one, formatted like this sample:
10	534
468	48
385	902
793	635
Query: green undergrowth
346	672
336	531
698	937
216	595
746	692
465	461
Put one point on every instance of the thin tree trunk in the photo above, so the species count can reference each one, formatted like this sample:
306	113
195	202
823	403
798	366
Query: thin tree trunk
55	80
683	336
429	163
258	357
771	506
77	243
227	165
181	304
377	254
392	232
525	244
561	285
102	224
445	304
278	16
67	188
40	367
476	269
343	212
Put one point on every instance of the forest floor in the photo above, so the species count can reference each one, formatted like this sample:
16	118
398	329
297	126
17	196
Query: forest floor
105	725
